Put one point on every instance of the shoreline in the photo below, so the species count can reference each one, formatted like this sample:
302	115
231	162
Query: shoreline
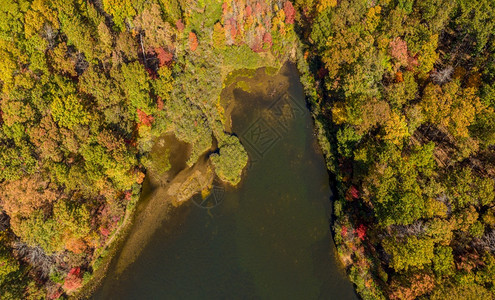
133	235
141	221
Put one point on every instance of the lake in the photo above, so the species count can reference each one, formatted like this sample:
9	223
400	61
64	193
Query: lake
268	238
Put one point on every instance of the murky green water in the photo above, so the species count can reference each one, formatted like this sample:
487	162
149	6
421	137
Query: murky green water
267	239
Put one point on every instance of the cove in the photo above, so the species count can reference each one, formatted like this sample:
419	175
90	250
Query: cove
268	238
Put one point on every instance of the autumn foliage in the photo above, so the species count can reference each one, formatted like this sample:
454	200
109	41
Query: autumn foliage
73	281
193	41
164	57
143	118
406	112
290	12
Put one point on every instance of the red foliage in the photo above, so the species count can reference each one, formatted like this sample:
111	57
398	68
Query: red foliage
73	281
353	191
256	46
258	9
164	57
144	119
159	103
104	231
180	26
398	50
343	232
233	28
225	8
267	40
249	11
128	195
412	62
193	41
289	12
361	232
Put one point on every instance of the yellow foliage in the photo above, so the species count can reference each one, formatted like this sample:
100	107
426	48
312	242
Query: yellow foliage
466	218
373	18
324	4
339	113
489	218
38	14
396	128
428	55
7	67
435	208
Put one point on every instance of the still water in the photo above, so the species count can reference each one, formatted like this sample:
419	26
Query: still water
269	238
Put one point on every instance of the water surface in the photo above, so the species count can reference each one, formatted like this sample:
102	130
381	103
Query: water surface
267	239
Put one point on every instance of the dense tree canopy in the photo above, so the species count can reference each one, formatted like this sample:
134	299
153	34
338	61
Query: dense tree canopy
86	86
403	90
402	93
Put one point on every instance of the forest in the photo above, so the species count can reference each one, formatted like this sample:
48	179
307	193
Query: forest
402	94
86	86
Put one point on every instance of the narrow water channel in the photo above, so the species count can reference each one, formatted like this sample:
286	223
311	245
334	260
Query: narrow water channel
267	239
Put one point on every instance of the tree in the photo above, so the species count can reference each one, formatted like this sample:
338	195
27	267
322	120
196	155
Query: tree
121	11
289	12
461	291
396	129
230	160
193	41
8	263
219	40
157	33
73	281
443	262
61	60
26	195
136	86
37	230
412	287
451	107
414	252
69	111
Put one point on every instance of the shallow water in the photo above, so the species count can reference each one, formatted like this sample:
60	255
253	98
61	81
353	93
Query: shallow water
267	239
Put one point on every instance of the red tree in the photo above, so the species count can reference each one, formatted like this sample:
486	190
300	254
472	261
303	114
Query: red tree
398	50
73	281
193	41
249	11
164	57
361	232
180	26
354	192
104	231
144	119
267	40
343	232
159	103
289	12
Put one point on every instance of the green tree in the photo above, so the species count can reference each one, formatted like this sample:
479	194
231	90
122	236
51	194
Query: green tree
230	160
414	252
69	111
